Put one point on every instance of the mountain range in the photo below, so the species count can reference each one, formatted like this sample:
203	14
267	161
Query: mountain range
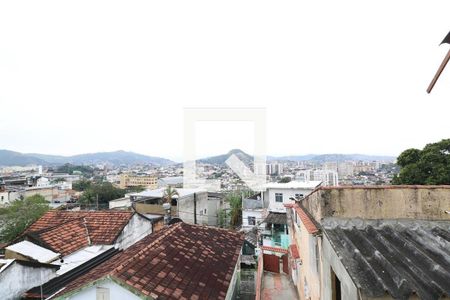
12	158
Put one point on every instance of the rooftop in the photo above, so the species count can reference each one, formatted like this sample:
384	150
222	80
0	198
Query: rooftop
178	261
294	185
69	231
35	252
398	257
159	193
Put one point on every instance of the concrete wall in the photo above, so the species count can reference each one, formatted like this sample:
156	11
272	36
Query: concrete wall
330	261
137	228
116	292
257	213
186	209
17	279
392	202
307	274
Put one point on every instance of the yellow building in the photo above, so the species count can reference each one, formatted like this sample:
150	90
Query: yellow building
127	180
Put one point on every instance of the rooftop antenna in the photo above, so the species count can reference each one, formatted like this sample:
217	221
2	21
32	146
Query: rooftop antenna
442	66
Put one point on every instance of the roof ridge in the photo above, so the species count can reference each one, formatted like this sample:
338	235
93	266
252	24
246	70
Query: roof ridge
140	252
87	231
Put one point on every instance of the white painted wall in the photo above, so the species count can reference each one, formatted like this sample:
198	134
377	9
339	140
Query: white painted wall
17	279
257	213
137	228
269	197
116	292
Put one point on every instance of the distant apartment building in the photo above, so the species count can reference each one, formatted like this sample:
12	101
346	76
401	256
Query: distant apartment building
274	169
327	177
127	180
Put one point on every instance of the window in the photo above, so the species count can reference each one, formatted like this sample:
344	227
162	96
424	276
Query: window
278	197
251	220
102	293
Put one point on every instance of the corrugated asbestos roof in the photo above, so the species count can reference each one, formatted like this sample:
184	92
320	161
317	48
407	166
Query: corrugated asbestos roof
395	257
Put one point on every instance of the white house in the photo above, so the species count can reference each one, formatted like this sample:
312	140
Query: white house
277	195
252	211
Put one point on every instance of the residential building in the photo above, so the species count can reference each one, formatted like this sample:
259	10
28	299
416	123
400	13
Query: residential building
252	211
181	261
129	180
278	194
190	205
17	276
327	177
371	243
71	238
174	181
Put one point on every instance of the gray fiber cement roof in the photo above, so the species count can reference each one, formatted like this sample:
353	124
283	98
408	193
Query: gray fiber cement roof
396	257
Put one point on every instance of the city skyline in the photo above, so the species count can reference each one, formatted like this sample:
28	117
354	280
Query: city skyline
121	78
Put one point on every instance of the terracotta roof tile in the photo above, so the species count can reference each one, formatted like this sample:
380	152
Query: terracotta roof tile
274	249
306	220
294	251
178	262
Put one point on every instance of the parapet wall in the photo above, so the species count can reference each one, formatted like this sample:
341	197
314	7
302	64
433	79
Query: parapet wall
380	202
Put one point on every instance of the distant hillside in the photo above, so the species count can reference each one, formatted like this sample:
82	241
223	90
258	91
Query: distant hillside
321	158
10	158
221	159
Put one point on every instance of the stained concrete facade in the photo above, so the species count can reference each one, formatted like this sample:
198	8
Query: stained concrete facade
320	263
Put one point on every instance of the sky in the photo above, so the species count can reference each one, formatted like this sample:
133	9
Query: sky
333	76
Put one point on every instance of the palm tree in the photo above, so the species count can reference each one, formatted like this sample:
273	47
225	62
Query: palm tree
169	193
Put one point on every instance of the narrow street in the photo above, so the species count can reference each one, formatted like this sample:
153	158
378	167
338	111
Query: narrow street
278	286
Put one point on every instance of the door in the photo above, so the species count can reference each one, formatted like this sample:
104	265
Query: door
285	263
271	263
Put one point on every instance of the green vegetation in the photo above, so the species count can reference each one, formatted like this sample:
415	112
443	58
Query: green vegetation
81	185
430	166
235	200
105	192
19	214
285	180
169	193
70	169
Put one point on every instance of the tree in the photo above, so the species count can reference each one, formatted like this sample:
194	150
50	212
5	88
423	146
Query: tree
285	180
169	193
235	200
81	185
19	214
105	192
430	166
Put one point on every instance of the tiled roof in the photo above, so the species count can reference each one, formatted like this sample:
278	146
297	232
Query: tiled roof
306	220
274	249
398	257
68	231
178	262
66	238
276	218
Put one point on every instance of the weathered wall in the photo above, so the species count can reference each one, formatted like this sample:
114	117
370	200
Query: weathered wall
116	292
17	279
186	208
330	261
137	228
391	202
308	273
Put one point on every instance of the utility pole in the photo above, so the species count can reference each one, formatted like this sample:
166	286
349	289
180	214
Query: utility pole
195	208
97	201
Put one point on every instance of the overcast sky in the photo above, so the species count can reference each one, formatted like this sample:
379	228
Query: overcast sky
334	76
